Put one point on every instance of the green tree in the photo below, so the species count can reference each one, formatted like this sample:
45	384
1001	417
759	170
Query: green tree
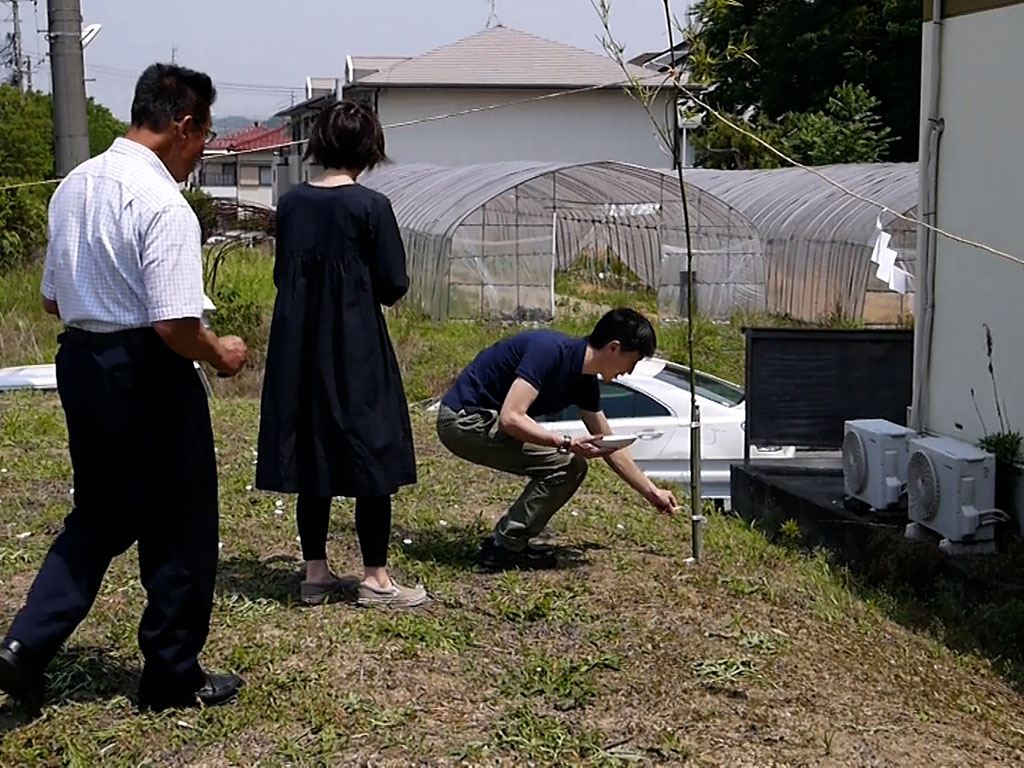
26	135
22	223
847	131
103	127
205	209
783	57
26	155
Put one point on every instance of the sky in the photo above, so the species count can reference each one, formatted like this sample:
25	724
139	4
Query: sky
259	52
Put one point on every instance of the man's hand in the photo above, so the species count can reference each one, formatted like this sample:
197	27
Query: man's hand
662	500
192	340
233	356
590	447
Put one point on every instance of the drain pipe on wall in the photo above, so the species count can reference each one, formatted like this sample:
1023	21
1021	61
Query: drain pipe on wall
928	189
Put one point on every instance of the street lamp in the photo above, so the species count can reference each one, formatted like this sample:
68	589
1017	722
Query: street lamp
89	34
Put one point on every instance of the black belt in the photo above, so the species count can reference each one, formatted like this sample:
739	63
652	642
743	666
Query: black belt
110	339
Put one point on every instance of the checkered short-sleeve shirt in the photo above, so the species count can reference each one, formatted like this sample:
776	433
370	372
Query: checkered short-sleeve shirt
125	248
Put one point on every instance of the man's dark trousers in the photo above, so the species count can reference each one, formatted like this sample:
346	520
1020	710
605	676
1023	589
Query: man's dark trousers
145	471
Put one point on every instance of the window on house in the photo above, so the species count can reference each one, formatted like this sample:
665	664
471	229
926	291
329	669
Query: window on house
218	175
249	176
266	176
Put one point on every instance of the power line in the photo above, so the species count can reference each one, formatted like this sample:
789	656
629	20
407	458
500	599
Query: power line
623	83
431	118
843	188
449	115
221	84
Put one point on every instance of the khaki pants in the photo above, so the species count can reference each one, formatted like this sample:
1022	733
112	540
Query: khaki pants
554	477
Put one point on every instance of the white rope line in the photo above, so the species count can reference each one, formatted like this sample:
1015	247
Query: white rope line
435	118
846	190
29	184
417	121
691	95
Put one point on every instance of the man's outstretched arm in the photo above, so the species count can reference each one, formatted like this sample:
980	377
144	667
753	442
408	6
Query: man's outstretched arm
623	465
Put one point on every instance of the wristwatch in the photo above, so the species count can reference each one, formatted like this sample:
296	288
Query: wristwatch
566	444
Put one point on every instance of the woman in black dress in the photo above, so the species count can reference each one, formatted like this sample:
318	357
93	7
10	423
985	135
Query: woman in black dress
334	420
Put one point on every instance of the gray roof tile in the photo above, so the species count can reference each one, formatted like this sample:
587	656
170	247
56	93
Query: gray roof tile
504	57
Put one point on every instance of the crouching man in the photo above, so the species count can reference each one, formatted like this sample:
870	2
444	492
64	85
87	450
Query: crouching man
487	418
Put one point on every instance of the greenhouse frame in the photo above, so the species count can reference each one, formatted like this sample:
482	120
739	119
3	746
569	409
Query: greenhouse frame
818	239
486	240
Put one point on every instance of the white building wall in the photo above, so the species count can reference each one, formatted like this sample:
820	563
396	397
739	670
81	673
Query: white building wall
221	193
593	126
981	197
254	193
263	196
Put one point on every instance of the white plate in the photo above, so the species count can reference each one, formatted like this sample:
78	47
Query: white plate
617	441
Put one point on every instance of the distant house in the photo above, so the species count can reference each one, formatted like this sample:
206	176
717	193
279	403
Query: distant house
688	115
502	95
248	177
291	169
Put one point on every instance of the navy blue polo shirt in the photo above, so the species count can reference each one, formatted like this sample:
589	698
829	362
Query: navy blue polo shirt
551	361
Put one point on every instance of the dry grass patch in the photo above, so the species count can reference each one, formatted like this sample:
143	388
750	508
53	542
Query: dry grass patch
762	655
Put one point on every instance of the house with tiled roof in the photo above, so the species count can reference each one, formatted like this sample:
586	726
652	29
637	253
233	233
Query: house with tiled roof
502	95
241	165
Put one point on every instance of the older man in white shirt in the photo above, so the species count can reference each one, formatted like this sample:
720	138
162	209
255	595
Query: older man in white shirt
124	274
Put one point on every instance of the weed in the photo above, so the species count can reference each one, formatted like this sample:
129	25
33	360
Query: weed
519	599
723	671
839	320
549	740
568	682
671	746
416	632
790	534
827	740
765	643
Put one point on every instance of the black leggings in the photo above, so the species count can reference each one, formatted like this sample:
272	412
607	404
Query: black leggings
373	527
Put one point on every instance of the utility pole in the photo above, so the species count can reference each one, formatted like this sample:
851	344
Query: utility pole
174	55
19	56
70	118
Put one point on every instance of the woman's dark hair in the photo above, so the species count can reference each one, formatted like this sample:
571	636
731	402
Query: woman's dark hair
166	92
347	135
628	327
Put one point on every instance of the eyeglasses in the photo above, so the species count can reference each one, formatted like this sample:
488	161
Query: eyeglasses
210	134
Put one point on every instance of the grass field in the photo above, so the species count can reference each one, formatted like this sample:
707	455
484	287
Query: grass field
763	655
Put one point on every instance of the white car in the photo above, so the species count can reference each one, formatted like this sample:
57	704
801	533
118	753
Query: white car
653	403
38	377
43	378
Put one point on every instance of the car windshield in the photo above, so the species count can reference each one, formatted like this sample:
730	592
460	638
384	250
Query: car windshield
716	391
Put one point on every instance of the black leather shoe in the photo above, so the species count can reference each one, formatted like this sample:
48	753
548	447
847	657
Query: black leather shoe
218	689
19	678
495	557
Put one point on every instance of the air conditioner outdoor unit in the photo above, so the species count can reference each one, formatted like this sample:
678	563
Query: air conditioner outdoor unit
951	491
875	457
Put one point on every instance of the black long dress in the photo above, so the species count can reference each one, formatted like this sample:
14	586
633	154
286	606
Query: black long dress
334	419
